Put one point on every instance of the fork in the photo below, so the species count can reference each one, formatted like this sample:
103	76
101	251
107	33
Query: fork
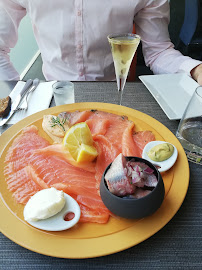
24	103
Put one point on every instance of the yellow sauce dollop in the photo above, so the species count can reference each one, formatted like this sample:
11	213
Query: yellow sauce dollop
161	152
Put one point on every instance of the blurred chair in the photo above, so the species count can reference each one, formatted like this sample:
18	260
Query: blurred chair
190	38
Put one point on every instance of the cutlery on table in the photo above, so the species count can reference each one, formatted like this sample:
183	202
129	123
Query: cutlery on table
23	105
15	103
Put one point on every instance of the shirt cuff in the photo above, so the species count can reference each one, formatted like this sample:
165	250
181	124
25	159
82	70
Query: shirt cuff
188	65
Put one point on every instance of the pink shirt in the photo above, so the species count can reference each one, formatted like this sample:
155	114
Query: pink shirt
72	36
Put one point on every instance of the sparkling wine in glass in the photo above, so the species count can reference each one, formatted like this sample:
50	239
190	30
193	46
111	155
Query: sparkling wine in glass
123	47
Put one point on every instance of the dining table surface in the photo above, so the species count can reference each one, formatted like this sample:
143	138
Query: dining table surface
178	245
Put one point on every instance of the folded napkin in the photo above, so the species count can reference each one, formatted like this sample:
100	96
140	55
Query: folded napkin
38	100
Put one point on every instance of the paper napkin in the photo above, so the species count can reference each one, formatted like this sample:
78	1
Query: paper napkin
38	100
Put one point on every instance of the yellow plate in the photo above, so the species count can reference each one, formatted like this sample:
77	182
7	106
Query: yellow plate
93	240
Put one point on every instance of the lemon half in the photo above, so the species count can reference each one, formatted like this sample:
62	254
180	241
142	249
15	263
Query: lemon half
78	140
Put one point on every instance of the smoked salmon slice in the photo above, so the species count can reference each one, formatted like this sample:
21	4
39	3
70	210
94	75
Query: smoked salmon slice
116	126
24	183
107	152
25	143
87	215
20	177
93	202
98	127
129	147
53	169
58	173
76	117
141	138
60	151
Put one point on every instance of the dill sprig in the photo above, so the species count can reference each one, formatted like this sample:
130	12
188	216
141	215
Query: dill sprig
57	121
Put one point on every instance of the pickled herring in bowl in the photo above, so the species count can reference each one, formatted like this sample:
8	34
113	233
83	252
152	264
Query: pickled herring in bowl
130	178
132	187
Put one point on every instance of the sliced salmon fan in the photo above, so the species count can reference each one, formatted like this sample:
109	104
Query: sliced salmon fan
32	163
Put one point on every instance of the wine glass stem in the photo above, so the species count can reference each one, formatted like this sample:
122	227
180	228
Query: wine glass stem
120	94
120	84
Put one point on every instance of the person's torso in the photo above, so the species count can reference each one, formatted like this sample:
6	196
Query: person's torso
72	35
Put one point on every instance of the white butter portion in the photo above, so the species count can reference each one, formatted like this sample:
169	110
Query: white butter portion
44	204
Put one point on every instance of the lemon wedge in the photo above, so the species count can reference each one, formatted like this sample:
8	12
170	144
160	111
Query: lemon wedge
86	153
78	140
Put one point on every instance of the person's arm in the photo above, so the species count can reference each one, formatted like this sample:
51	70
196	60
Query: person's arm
197	73
10	17
159	53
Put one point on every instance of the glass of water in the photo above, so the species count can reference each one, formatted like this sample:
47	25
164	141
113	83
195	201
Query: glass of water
189	132
63	92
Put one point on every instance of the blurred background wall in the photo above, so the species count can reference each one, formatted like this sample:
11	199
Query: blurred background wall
26	50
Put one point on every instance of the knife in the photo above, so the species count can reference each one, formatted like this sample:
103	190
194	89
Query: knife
16	102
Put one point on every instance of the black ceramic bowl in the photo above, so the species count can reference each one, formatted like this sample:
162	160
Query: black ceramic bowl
131	207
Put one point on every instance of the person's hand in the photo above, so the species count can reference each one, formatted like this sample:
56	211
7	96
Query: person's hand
196	74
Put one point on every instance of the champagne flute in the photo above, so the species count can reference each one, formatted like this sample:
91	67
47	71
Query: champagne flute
123	47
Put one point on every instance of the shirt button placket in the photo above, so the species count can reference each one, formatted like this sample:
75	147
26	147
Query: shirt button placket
79	38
